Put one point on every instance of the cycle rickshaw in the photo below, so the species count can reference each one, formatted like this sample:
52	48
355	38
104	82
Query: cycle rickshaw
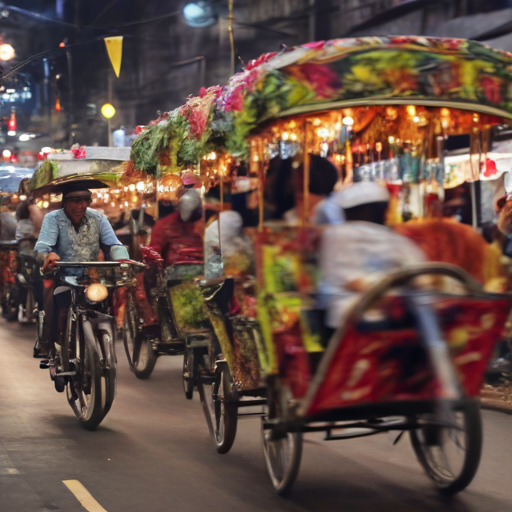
404	358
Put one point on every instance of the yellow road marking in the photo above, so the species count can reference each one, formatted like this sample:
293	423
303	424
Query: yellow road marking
83	496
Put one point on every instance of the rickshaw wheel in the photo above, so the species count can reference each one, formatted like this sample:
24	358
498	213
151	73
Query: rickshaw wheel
141	356
220	408
188	373
283	455
433	446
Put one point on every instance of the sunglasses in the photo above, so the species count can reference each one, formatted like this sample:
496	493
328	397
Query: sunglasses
78	200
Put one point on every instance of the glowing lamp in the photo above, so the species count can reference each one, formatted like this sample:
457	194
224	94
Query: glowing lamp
6	154
108	111
96	292
6	52
199	14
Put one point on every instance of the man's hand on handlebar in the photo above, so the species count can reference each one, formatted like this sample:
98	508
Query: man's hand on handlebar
50	260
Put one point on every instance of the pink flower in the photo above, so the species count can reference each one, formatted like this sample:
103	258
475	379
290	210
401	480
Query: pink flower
79	153
320	76
315	45
214	90
196	119
259	61
400	39
490	168
234	100
452	44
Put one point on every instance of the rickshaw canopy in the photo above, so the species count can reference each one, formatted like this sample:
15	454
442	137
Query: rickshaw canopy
322	76
91	163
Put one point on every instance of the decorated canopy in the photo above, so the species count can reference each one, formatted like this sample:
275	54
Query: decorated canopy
326	75
97	163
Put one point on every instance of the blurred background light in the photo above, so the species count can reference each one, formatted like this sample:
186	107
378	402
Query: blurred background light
6	52
199	14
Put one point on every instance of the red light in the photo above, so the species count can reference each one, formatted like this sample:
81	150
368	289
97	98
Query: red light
12	125
14	159
61	45
58	108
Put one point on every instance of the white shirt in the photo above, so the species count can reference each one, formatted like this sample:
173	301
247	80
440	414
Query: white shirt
118	138
356	250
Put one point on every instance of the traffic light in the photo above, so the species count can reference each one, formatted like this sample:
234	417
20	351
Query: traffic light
12	125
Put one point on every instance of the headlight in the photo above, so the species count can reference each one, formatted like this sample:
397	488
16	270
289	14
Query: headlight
96	292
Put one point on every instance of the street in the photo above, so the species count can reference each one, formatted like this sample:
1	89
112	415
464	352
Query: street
153	453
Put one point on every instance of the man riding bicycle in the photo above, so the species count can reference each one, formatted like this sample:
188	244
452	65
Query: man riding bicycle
73	233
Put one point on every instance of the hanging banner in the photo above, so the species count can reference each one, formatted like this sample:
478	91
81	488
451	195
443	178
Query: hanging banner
115	52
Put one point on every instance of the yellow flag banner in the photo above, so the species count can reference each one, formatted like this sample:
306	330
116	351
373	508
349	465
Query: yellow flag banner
115	52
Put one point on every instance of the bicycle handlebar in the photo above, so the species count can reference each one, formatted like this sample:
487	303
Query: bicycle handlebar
97	264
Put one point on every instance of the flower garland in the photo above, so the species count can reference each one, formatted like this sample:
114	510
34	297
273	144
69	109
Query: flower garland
324	71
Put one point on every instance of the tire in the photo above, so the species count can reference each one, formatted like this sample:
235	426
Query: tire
109	378
220	408
283	455
136	345
428	442
9	310
188	374
36	352
85	397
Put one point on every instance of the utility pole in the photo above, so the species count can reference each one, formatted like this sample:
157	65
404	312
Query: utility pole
109	120
319	20
47	98
71	105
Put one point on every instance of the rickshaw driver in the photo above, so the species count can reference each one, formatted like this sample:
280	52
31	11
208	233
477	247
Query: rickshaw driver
355	254
178	231
73	233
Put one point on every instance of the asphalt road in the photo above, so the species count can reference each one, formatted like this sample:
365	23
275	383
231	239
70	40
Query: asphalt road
153	453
